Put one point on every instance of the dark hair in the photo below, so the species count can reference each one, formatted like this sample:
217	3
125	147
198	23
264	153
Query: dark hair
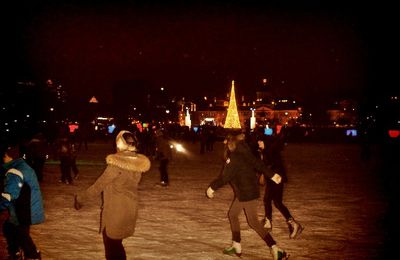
12	151
9	145
233	140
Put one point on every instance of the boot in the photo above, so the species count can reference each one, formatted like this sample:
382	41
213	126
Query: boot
278	254
295	228
235	249
16	256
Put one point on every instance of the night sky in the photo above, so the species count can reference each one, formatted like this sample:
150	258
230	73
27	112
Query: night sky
310	52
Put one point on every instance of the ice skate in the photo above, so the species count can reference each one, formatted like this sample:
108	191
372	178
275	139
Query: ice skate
235	249
278	254
295	228
268	224
162	184
16	256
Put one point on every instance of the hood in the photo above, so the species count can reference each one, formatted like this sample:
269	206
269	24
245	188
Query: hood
121	143
129	161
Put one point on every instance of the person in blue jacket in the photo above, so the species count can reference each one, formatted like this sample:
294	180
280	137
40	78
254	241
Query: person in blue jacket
22	198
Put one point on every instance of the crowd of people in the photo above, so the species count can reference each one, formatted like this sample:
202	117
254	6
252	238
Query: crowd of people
251	159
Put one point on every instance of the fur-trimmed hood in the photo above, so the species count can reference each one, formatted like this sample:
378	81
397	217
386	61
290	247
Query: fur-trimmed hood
129	161
122	144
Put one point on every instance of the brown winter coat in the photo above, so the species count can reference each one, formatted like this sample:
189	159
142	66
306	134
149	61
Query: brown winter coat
119	184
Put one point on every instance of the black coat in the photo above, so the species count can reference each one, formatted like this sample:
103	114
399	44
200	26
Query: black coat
241	170
272	155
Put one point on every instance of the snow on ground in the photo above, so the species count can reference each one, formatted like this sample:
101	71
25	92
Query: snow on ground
331	192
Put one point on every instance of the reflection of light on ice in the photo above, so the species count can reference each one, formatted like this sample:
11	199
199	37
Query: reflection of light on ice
178	147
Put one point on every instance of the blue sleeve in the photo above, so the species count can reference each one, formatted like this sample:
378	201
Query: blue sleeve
12	186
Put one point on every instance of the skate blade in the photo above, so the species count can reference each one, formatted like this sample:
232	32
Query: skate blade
284	256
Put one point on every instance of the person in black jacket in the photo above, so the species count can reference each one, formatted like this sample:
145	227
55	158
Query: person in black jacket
36	154
164	155
240	171
270	148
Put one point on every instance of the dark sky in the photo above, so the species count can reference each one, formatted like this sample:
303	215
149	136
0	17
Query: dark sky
310	52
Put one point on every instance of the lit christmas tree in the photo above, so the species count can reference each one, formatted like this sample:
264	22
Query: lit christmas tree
232	117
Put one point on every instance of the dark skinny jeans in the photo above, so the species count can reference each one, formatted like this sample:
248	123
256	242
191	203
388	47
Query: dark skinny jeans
250	209
274	192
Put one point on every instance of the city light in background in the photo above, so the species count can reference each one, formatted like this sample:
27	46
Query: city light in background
316	71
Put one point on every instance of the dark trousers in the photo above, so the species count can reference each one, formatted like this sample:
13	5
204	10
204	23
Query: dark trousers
274	192
84	141
113	248
17	236
74	168
37	165
65	167
250	209
164	170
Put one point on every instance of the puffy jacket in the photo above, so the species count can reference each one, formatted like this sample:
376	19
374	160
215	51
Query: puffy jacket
22	195
241	171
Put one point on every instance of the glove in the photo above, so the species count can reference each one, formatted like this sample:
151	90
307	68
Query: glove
276	178
210	193
77	205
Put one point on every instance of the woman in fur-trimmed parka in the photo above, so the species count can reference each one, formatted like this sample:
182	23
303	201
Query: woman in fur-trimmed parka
119	185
